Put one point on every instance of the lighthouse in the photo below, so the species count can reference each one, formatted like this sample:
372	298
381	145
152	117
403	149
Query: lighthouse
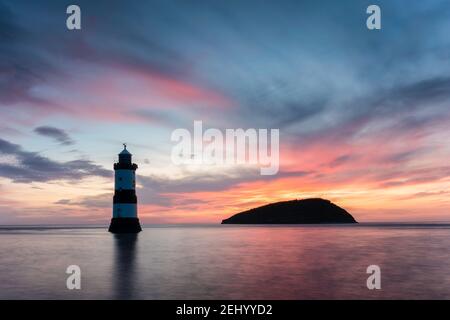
125	219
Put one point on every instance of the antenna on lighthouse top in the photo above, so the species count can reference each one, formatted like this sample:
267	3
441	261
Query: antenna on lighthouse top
125	146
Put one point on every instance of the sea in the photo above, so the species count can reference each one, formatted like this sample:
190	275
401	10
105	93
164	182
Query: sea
227	262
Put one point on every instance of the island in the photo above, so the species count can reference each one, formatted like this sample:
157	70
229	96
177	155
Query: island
305	211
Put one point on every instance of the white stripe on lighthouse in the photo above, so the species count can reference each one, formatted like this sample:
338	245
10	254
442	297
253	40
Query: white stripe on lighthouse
125	179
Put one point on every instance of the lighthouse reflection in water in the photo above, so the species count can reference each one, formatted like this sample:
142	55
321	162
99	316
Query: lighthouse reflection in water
124	265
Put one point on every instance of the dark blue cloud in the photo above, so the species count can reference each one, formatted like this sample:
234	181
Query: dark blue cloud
57	134
25	166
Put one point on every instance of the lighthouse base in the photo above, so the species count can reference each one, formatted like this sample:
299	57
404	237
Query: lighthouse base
125	225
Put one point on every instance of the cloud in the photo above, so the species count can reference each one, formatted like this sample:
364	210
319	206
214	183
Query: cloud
57	134
340	160
98	201
202	182
168	192
29	166
426	194
63	201
396	178
22	66
428	93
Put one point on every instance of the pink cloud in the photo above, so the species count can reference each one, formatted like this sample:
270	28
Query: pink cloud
129	88
116	92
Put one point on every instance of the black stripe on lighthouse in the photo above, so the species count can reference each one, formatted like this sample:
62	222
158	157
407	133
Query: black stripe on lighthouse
125	196
125	166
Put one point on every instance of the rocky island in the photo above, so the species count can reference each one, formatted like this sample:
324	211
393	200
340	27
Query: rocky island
306	211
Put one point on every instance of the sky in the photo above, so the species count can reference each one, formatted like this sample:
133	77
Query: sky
363	114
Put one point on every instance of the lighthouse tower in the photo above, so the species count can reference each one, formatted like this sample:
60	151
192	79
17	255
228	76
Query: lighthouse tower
125	219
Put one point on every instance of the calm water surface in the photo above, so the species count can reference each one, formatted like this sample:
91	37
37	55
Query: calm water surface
227	262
